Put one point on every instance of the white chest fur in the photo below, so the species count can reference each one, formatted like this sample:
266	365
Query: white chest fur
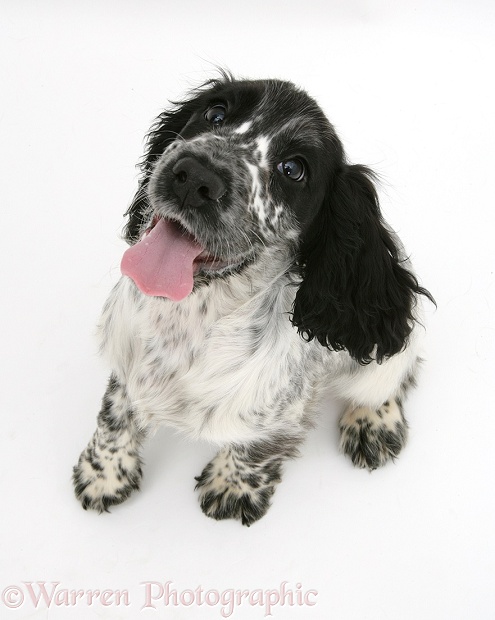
223	364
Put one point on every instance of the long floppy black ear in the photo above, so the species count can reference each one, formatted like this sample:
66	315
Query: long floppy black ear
356	293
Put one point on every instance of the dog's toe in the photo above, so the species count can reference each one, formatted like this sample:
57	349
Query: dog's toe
228	494
105	481
372	437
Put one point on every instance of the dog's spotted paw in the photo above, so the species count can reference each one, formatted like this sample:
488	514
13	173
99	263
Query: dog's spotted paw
230	489
106	475
371	437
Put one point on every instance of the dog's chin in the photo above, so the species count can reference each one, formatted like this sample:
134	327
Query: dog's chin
206	264
204	273
208	267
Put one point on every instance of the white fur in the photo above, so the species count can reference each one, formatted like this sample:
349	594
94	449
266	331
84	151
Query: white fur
214	382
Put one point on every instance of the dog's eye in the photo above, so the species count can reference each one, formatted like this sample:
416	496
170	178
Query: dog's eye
216	114
292	168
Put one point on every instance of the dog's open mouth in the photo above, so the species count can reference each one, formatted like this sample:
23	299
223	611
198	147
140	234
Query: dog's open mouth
165	260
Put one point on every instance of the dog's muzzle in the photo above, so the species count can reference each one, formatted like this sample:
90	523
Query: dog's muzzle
196	185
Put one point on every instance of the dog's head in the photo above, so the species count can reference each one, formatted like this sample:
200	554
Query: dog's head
240	165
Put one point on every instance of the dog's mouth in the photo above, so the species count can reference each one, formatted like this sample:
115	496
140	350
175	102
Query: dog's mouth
165	260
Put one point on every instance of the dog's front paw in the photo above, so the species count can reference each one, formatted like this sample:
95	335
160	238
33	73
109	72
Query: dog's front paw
373	437
227	491
105	476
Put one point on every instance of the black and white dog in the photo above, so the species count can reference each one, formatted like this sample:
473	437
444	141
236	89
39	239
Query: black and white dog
259	272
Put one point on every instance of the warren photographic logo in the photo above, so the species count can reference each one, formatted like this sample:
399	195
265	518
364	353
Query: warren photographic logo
157	595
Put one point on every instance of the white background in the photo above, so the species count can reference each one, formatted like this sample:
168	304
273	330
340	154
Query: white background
409	87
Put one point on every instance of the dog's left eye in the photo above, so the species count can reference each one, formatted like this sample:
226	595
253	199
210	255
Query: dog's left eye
292	168
216	114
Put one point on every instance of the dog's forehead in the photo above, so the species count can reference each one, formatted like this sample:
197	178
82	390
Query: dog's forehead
273	107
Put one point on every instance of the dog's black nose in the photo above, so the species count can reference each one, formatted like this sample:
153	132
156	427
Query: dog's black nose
195	184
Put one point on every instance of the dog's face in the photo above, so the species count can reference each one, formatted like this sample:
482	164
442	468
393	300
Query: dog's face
243	164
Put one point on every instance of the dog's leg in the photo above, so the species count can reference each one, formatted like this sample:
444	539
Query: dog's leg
109	469
373	435
239	482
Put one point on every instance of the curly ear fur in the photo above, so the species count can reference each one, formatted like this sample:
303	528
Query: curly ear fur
356	294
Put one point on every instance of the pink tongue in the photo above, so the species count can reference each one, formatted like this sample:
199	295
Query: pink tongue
161	264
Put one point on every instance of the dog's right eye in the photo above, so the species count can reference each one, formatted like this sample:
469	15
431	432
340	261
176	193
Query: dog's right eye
216	114
293	169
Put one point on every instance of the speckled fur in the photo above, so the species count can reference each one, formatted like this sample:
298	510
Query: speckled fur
109	469
226	363
239	482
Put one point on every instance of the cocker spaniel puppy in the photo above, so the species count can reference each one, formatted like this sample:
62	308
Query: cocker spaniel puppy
259	272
